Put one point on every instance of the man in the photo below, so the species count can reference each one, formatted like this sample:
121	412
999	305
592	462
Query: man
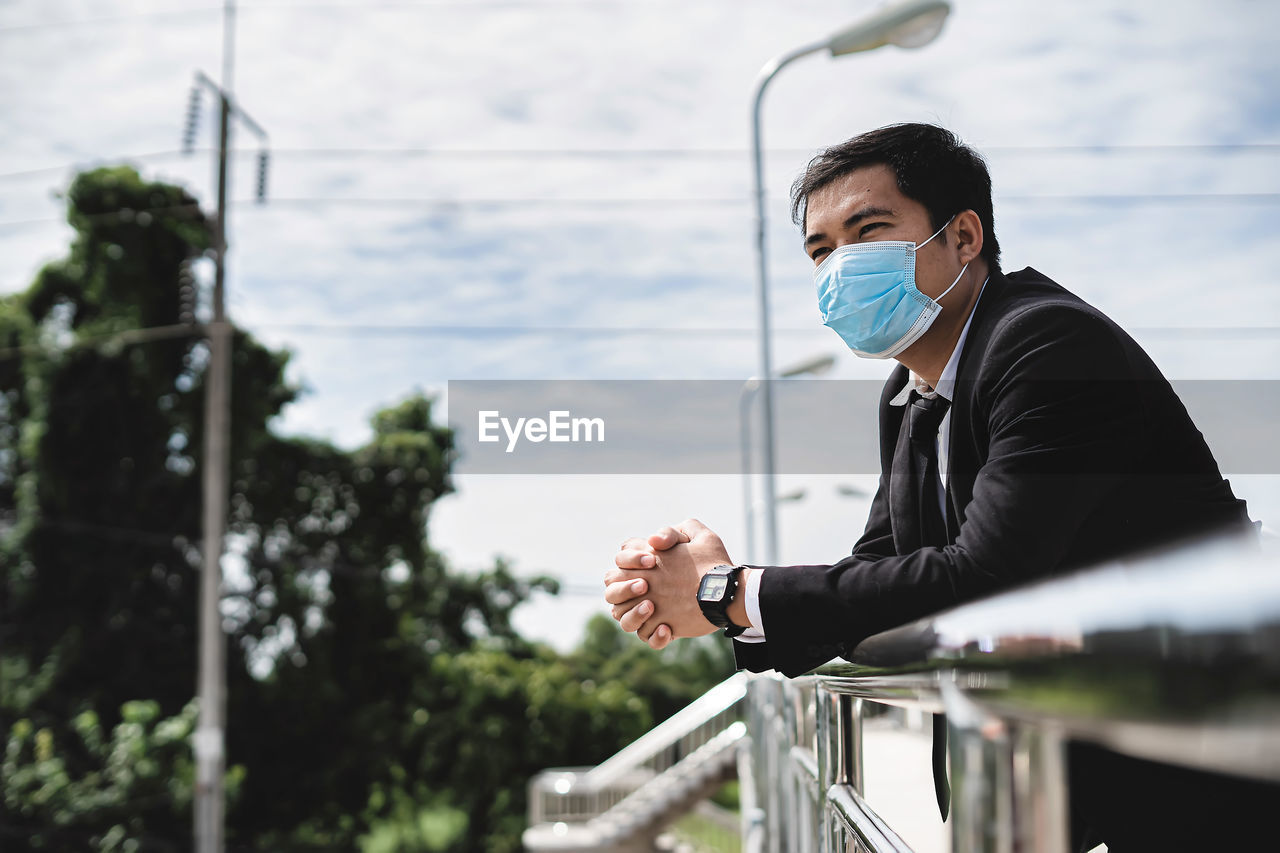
1022	434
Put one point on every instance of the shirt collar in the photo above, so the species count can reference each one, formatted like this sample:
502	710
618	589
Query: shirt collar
947	381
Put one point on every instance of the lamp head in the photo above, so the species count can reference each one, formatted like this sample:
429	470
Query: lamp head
907	23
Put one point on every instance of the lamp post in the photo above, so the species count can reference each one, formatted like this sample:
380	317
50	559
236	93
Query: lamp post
907	23
815	365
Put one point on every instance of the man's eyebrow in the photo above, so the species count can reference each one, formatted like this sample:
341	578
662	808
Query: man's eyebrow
854	219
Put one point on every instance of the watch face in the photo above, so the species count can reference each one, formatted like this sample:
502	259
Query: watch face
713	588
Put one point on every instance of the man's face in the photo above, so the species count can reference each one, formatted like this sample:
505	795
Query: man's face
865	206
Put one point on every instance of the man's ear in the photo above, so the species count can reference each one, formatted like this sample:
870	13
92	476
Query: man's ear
968	235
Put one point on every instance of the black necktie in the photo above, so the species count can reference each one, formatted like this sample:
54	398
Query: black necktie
926	418
918	521
916	480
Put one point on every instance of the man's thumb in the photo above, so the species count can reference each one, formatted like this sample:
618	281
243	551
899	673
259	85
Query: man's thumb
692	528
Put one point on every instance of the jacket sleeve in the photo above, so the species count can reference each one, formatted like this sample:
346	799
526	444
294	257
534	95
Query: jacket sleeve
1062	426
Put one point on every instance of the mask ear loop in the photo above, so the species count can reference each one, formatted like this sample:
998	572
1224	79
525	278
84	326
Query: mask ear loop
938	298
936	233
962	269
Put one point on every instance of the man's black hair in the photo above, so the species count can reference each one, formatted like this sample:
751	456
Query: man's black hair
932	166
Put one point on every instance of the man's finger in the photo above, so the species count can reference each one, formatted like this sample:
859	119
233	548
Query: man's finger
620	576
634	618
620	592
634	559
667	537
648	629
691	527
635	543
660	638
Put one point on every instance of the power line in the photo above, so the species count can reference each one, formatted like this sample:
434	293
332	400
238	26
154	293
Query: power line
485	203
91	164
447	330
454	204
158	333
1141	149
1194	149
578	201
189	210
107	20
352	330
127	534
128	337
425	5
1143	198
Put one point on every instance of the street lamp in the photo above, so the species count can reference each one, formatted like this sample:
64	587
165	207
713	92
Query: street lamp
909	24
817	364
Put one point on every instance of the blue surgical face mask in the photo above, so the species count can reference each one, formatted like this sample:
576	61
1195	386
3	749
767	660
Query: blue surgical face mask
867	293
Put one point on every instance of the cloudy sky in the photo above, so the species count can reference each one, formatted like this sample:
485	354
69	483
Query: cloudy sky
560	189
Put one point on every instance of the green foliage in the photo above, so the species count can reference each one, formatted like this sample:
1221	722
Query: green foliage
666	681
728	796
522	715
375	698
699	833
411	826
97	569
139	776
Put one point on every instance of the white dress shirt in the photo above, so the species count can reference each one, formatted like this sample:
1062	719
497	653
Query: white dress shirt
946	388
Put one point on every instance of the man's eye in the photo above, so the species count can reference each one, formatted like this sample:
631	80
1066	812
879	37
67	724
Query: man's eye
819	254
869	227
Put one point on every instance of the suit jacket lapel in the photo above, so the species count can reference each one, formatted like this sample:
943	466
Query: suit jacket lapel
960	474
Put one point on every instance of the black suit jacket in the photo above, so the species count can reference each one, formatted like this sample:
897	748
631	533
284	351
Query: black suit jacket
1067	447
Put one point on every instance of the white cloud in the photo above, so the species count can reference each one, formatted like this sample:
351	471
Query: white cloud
486	77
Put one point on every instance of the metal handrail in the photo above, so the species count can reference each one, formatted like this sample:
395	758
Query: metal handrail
858	818
576	795
1205	612
1081	657
1019	675
642	814
701	714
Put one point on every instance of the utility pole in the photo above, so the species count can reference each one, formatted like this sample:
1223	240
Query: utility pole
210	736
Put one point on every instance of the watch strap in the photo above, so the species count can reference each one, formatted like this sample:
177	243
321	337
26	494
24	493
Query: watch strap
717	613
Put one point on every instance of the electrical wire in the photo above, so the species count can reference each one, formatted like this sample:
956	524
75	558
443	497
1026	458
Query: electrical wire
367	5
716	153
456	204
391	330
128	337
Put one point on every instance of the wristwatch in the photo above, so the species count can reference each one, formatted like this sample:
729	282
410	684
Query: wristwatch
716	591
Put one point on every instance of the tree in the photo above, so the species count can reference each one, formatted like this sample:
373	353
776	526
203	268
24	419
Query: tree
142	775
373	693
664	682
